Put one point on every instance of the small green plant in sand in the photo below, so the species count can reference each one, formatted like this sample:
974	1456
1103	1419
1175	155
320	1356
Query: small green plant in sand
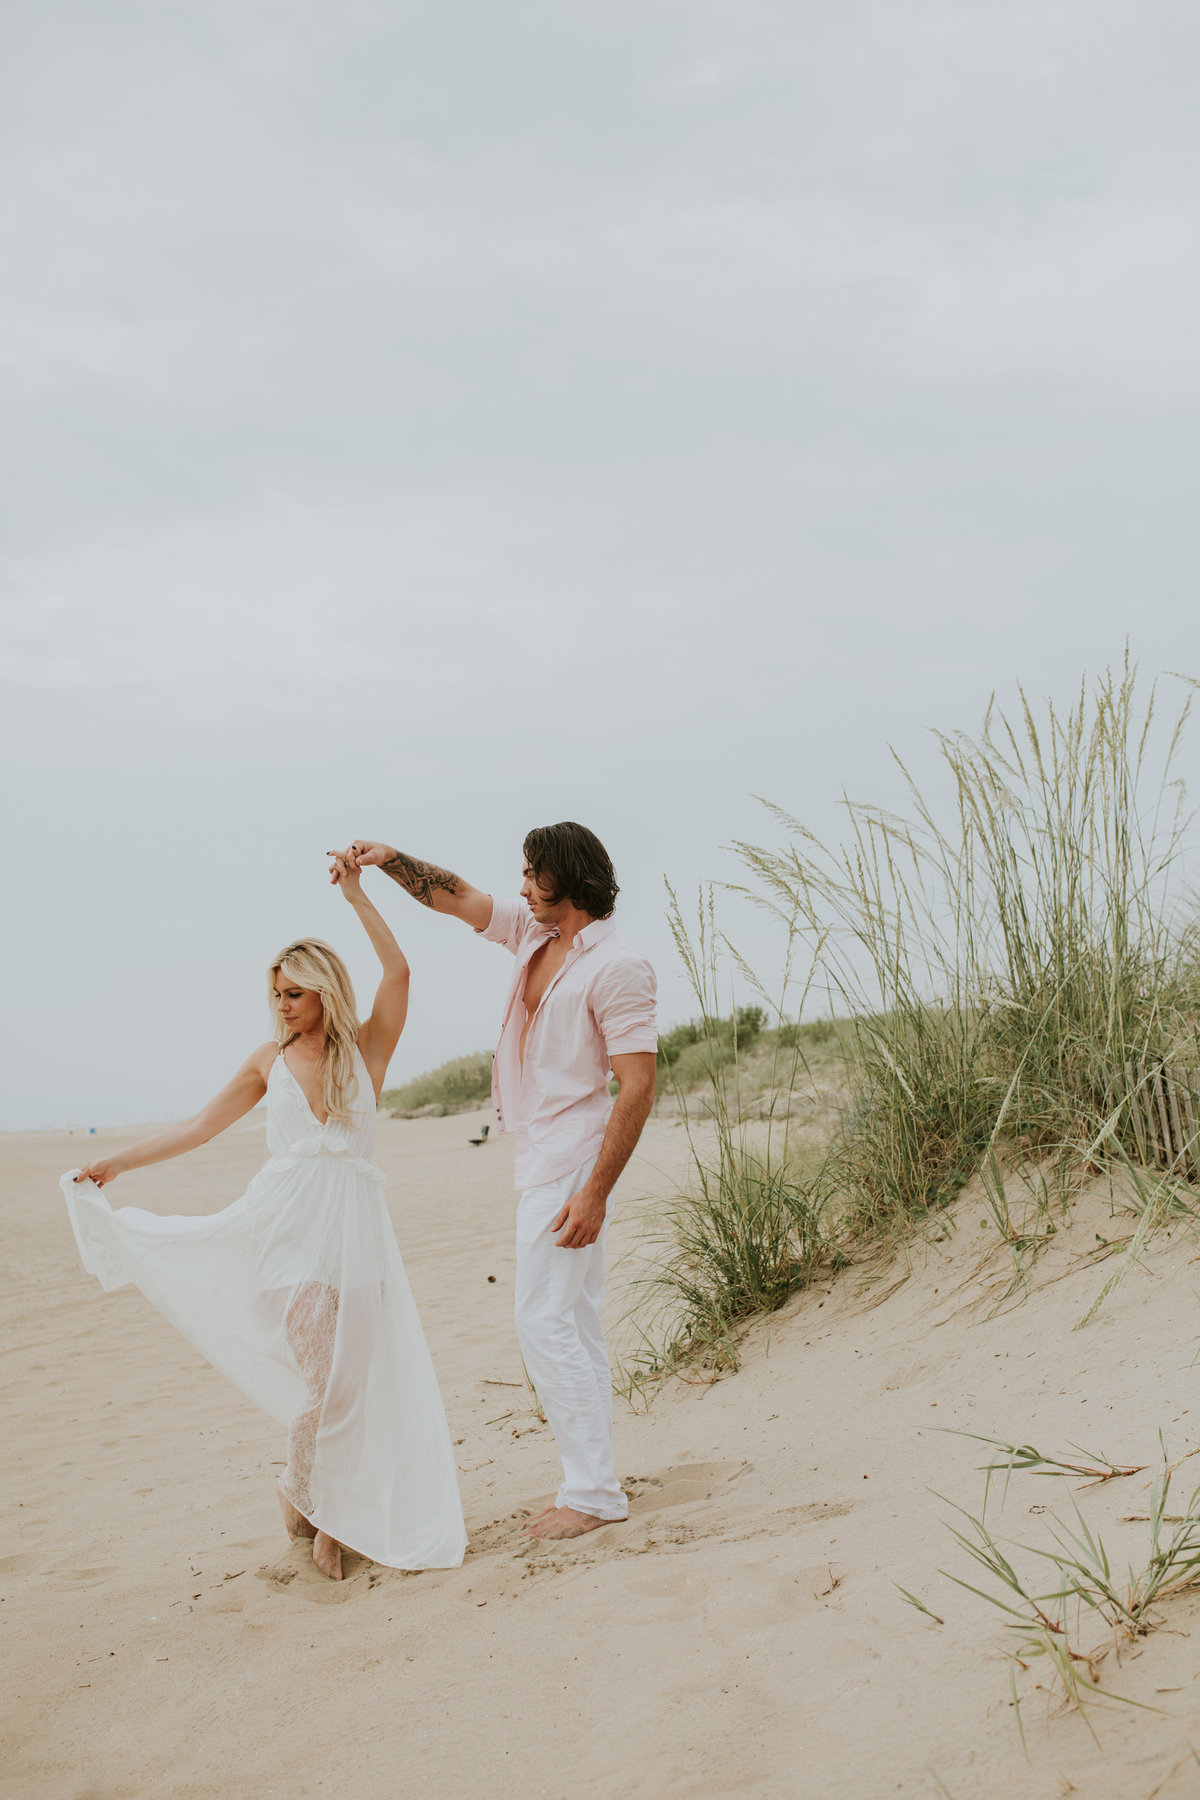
1084	1587
535	1405
457	1086
1025	1459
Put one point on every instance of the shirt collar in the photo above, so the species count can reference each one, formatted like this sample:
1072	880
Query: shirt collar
594	933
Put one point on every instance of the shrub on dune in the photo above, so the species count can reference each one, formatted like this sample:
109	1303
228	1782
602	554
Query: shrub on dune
464	1082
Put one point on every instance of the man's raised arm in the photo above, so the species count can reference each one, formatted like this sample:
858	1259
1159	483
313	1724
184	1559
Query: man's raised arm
436	888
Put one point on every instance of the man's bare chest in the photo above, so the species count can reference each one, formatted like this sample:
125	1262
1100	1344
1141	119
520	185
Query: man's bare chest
544	965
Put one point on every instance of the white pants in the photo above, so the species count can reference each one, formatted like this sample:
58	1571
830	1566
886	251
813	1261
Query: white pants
558	1299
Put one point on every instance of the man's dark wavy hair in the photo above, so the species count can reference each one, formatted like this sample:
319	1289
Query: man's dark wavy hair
571	861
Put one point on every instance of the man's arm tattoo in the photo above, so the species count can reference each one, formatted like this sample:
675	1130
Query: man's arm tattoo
420	879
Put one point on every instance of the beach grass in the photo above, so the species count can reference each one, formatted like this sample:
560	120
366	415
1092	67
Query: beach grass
991	967
745	1232
1004	963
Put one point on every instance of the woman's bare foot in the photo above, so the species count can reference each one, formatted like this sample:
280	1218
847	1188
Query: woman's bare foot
296	1523
327	1554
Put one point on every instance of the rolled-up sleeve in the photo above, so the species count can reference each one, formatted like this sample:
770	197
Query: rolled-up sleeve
623	1006
508	924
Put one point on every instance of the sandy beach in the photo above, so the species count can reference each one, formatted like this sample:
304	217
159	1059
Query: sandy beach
742	1634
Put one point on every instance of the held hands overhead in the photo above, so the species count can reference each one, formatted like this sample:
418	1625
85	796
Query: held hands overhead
344	872
361	854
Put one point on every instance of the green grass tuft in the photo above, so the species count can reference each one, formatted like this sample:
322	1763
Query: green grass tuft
745	1230
1084	1589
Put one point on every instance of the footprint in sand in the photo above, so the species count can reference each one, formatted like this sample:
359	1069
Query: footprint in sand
756	1598
729	1600
80	1578
679	1591
680	1486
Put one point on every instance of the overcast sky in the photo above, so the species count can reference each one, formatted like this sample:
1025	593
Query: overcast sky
427	421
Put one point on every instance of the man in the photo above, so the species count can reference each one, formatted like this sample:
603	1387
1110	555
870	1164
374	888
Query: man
581	1007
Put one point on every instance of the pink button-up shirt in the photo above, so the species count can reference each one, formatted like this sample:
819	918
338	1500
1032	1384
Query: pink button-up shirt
599	1005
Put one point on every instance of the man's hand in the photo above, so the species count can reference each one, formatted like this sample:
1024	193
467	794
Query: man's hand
363	854
583	1216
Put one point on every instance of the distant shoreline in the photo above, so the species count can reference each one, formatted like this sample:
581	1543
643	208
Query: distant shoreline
253	1121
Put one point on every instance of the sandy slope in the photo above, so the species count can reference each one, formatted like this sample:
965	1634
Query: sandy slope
741	1635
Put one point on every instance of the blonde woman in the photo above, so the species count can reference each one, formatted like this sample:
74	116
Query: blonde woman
297	1292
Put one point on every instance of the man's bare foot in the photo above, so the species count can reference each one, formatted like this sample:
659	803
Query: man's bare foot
297	1525
565	1522
327	1554
545	1513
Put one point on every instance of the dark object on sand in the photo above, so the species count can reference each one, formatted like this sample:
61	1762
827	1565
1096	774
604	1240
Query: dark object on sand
481	1139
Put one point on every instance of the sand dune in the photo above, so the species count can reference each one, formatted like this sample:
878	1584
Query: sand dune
741	1635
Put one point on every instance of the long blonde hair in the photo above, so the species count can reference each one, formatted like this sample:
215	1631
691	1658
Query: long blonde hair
311	964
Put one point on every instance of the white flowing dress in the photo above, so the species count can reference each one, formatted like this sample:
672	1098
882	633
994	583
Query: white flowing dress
298	1294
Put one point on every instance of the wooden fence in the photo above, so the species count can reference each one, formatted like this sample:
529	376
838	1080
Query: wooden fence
1164	1106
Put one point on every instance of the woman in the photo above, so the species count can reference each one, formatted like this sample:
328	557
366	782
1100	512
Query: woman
297	1291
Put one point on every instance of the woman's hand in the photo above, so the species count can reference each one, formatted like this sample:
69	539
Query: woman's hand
365	853
106	1170
343	874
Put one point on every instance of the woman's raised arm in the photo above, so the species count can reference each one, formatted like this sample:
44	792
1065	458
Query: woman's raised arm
233	1102
379	1035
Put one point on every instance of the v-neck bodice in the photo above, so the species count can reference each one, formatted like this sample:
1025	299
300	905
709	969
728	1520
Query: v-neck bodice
291	1120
